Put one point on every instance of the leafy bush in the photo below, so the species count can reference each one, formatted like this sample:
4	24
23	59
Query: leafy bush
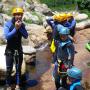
61	5
84	4
28	21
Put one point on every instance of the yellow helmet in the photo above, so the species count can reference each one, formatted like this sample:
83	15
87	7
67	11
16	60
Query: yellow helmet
69	15
17	10
60	17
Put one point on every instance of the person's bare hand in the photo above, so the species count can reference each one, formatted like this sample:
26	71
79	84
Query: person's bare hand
18	24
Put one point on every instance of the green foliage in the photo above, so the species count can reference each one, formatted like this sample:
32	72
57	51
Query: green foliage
64	7
28	21
61	5
34	13
67	5
84	4
29	1
8	12
78	0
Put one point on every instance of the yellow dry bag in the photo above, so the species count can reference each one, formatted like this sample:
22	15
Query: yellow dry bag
53	47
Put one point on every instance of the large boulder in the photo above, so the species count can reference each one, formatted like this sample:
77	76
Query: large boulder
37	35
83	25
29	54
28	17
82	16
43	8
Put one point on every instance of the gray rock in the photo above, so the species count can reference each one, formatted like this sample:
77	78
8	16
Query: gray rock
2	39
82	16
37	34
32	6
83	25
33	18
1	7
1	19
28	50
42	8
6	17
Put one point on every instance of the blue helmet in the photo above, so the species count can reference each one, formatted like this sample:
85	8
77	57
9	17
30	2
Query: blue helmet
74	73
63	30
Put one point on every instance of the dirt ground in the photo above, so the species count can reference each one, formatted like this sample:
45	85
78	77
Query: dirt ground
82	57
